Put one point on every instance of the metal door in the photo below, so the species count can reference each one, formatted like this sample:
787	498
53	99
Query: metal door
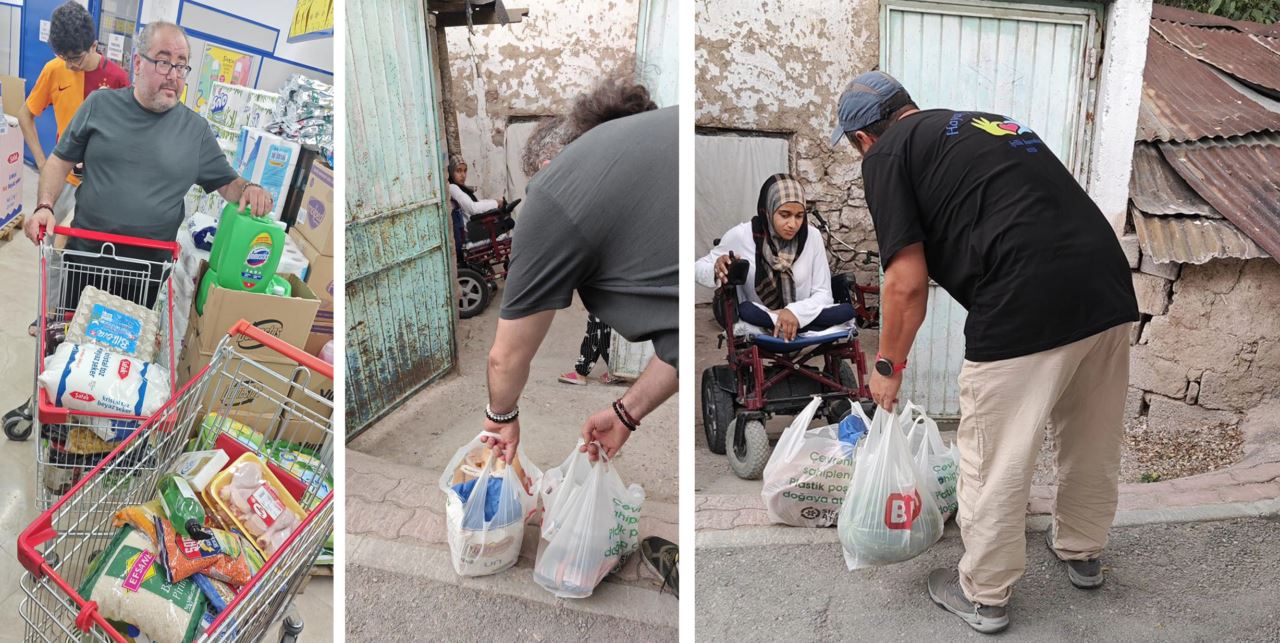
1031	62
399	285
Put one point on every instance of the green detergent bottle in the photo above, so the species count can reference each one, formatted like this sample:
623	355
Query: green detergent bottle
246	252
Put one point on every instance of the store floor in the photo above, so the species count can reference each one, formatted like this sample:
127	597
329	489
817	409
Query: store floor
18	274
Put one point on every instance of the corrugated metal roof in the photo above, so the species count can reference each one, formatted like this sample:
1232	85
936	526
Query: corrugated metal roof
1239	179
1197	19
1191	239
1156	189
1236	53
1184	100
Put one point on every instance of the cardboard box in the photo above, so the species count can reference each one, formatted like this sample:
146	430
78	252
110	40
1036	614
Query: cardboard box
319	270
315	217
14	90
288	318
10	172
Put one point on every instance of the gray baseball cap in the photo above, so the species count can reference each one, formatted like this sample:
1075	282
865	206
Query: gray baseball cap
863	102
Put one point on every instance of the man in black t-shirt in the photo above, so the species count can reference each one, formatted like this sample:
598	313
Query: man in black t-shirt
980	204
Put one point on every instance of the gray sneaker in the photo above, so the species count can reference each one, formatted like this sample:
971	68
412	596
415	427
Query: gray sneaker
944	589
1084	574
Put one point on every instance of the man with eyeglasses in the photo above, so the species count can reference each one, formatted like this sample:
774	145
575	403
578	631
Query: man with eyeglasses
76	71
142	150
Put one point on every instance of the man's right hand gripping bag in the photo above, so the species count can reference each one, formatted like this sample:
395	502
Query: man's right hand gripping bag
487	502
889	514
590	524
808	474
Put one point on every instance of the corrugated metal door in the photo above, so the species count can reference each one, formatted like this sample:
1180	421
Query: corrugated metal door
1033	63
400	306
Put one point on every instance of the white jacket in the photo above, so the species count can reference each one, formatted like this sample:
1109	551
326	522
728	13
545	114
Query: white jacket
469	207
810	271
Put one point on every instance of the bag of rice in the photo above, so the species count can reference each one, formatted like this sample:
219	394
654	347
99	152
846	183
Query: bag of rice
117	324
94	379
128	585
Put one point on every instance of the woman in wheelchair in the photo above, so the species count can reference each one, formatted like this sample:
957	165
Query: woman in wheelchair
788	282
463	203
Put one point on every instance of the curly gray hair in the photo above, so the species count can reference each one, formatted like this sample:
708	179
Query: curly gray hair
613	97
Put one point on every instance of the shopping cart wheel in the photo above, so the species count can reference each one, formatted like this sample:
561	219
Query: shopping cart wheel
17	423
291	626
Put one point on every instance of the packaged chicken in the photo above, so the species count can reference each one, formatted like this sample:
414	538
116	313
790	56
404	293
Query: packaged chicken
257	504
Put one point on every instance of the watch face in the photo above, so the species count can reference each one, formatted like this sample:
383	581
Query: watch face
884	367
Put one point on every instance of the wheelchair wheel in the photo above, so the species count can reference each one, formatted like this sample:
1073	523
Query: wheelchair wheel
717	405
749	452
473	293
837	409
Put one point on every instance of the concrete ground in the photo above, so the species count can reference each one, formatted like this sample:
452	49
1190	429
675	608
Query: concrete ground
397	549
18	276
1201	581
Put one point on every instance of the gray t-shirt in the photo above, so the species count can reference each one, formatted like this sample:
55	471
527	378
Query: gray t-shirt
603	219
138	165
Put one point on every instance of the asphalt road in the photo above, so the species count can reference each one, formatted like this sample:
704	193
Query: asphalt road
1217	581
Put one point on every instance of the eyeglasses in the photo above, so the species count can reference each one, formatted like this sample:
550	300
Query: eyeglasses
164	67
74	61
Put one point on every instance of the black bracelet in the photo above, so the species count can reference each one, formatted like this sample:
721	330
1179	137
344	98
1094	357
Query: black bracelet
624	417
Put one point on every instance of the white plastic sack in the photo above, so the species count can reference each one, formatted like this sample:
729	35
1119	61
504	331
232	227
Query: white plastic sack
808	474
889	514
590	524
481	544
80	377
937	462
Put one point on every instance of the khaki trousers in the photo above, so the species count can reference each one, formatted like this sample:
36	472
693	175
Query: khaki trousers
1078	390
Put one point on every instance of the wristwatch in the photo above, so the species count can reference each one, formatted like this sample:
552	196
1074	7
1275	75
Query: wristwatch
887	368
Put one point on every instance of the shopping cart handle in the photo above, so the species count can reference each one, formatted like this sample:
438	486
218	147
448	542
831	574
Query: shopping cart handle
104	237
278	345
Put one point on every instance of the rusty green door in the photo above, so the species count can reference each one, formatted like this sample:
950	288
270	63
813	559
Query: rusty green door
399	294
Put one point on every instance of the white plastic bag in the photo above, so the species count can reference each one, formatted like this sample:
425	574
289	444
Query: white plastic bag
590	524
82	377
889	514
938	462
809	472
485	534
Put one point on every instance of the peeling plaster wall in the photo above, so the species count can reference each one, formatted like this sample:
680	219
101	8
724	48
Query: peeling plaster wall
780	67
532	68
1124	57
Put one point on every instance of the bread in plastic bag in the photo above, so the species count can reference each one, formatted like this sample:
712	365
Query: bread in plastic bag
91	378
590	524
128	584
808	473
117	324
889	514
487	502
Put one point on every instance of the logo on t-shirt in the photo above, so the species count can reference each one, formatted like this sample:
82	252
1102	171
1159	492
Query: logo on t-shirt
1010	127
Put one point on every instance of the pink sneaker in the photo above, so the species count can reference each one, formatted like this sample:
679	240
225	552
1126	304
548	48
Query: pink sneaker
608	378
572	377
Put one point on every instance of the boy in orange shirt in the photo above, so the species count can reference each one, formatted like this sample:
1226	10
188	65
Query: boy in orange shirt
64	83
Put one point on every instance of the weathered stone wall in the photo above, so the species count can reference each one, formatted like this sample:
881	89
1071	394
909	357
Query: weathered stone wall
533	68
1207	350
779	68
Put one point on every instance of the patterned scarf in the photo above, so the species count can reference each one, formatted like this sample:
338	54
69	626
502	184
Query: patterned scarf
775	284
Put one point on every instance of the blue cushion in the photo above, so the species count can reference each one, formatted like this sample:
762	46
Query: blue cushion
777	345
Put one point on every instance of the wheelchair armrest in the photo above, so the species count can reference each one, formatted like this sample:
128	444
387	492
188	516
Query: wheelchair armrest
842	286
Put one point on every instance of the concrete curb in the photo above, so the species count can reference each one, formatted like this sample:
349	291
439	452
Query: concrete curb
783	535
610	600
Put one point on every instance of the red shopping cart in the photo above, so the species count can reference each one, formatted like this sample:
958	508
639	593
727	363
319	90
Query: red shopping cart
277	401
134	269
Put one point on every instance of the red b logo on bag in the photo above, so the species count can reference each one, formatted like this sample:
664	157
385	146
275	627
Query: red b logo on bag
901	510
